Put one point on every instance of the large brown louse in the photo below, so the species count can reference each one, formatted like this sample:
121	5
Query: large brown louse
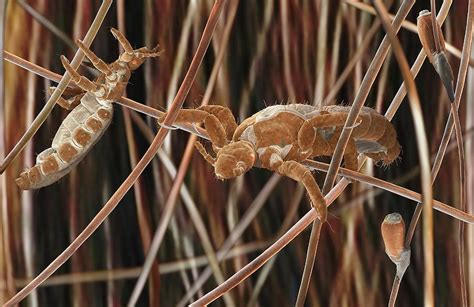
280	137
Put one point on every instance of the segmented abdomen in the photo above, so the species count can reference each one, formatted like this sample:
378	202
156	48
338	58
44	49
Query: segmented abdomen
80	130
374	135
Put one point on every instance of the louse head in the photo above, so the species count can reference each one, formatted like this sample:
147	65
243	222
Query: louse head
139	56
234	159
133	58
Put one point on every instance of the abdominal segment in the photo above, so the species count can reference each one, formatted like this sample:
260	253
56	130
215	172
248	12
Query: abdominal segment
80	130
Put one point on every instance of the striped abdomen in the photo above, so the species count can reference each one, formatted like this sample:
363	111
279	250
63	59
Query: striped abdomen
79	131
376	137
373	135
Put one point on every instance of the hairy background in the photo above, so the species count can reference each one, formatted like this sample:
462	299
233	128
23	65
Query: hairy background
278	52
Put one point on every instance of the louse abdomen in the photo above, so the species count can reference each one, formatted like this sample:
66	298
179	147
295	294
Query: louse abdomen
373	134
78	133
376	137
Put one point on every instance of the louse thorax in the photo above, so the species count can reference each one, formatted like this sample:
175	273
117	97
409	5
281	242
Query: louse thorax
114	85
122	71
234	159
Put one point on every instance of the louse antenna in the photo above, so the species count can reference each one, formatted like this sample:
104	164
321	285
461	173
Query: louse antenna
151	53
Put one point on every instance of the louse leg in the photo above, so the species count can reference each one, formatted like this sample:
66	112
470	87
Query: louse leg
307	132
350	156
300	173
215	130
211	160
71	102
325	147
79	80
213	126
272	160
68	92
225	116
95	60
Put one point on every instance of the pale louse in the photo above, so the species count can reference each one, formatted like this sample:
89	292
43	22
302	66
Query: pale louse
90	116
